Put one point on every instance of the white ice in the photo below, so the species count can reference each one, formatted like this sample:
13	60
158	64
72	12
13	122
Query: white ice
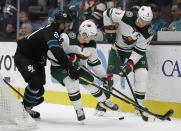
56	117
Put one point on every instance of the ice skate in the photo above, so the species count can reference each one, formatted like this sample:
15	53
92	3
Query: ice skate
110	105
80	116
33	114
150	118
100	109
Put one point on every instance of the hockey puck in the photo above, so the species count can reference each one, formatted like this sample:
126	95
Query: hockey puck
121	118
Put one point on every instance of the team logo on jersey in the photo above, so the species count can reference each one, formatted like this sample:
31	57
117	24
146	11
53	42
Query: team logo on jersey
56	35
64	15
128	39
111	67
150	30
72	35
30	68
129	13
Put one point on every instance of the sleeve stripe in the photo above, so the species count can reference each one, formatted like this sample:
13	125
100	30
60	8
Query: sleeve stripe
139	52
109	12
93	61
54	45
50	41
141	49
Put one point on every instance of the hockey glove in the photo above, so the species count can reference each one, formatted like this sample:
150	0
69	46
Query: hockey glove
74	60
127	68
73	73
108	81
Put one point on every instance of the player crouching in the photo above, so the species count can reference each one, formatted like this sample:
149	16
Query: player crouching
80	48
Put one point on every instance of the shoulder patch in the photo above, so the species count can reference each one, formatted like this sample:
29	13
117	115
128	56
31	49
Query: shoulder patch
129	13
72	35
150	31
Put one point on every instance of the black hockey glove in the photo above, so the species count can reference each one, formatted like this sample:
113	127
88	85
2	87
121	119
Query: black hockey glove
73	73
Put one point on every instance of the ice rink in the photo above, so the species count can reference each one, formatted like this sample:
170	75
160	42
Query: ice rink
63	118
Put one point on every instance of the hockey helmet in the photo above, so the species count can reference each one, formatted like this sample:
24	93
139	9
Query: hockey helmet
89	28
62	17
135	8
145	13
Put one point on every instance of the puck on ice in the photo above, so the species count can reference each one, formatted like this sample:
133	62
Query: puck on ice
121	118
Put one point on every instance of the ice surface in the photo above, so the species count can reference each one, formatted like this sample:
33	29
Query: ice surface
63	118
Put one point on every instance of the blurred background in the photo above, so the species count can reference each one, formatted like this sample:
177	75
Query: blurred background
19	18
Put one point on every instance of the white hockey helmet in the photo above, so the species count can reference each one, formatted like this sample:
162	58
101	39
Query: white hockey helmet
145	13
89	28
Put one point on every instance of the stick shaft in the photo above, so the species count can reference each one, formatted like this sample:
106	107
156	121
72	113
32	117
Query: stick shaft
13	88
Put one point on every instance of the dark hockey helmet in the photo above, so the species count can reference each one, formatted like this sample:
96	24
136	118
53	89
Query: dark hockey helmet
62	17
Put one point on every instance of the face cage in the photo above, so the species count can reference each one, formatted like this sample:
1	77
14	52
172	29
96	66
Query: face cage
141	21
92	37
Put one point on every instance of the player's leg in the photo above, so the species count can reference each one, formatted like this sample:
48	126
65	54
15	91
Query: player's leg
97	93
114	67
34	75
72	87
75	96
141	75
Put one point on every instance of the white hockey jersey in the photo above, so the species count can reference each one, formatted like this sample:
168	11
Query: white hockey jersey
86	52
129	37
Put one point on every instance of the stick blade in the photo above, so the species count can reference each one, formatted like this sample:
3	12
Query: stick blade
167	115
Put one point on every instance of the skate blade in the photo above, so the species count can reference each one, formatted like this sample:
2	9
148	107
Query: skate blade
99	113
82	122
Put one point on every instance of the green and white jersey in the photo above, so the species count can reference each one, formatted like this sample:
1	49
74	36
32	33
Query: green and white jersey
87	52
129	37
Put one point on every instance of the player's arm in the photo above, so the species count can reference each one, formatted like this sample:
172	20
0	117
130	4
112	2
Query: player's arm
56	48
137	53
99	70
58	55
111	20
140	49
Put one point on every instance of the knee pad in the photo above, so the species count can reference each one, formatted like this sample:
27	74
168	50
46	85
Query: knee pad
97	93
141	75
36	83
73	89
71	85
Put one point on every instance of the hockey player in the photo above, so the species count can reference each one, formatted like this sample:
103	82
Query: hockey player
31	55
81	48
131	34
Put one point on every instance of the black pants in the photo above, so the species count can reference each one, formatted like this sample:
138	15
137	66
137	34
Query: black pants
32	72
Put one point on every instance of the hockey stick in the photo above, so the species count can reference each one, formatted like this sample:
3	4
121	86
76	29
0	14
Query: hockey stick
164	117
145	118
13	88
